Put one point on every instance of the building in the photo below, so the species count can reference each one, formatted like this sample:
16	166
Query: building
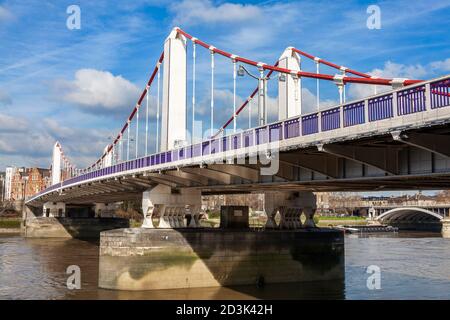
8	181
26	182
2	186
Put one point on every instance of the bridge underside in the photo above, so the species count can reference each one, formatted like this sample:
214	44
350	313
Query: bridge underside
372	163
412	219
410	215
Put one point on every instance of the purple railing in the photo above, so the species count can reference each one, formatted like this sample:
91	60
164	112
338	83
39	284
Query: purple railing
225	143
409	101
248	138
261	135
206	148
188	152
215	146
331	119
440	94
276	132
292	128
196	150
310	124
380	108
236	141
354	114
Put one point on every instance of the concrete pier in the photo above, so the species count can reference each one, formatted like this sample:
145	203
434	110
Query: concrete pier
148	259
445	228
60	227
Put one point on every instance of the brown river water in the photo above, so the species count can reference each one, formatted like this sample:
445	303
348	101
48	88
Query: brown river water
412	266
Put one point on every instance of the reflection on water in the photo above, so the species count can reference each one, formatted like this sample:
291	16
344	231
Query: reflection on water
413	265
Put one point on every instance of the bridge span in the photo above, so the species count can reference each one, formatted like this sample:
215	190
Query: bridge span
394	140
302	153
423	217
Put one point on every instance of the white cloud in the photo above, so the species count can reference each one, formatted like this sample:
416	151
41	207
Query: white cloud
96	90
309	102
398	70
393	70
31	144
191	12
5	98
223	107
11	124
441	66
5	14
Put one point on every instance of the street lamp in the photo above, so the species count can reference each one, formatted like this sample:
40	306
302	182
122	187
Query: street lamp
262	85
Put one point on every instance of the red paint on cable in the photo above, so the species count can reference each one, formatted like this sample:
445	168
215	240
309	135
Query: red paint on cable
133	112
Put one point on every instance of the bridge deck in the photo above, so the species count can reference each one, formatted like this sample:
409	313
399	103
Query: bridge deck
354	146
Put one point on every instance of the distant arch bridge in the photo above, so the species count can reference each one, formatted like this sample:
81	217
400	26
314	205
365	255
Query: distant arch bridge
412	217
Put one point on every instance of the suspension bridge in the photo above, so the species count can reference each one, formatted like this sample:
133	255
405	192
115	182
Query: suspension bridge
392	140
395	139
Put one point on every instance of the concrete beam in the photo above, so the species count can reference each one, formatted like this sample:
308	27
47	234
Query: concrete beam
384	158
435	143
222	178
284	170
165	182
171	179
198	179
326	165
237	171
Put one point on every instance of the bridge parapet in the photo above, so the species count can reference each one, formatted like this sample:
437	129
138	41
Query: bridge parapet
417	106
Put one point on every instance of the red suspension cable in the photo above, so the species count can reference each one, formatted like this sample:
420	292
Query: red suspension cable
330	64
373	81
133	112
366	79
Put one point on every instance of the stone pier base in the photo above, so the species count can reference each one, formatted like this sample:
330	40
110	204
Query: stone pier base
445	228
147	259
45	227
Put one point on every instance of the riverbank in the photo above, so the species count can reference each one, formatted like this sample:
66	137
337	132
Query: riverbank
407	261
335	221
258	222
10	225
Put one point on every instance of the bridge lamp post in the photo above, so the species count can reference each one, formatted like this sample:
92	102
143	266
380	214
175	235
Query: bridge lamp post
262	85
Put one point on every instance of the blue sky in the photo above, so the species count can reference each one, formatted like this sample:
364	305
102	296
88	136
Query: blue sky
78	86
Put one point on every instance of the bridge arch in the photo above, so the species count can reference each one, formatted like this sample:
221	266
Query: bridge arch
409	214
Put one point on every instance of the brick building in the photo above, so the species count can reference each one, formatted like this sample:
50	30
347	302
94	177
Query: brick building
26	182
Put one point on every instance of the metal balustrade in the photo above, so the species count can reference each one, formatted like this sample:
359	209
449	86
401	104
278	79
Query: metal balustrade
440	93
330	119
411	100
354	114
292	128
380	107
310	124
276	132
248	138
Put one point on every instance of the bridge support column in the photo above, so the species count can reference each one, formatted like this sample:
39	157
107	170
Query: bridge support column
171	206
104	210
54	209
173	125
289	90
290	206
309	215
445	227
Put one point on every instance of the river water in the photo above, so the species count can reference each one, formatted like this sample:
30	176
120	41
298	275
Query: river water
412	266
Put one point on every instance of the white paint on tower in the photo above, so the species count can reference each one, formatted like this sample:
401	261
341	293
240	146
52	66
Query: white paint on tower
173	126
56	164
289	90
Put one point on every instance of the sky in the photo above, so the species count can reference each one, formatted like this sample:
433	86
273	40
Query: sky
77	86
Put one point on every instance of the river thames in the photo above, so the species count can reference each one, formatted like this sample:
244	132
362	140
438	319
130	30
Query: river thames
412	266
